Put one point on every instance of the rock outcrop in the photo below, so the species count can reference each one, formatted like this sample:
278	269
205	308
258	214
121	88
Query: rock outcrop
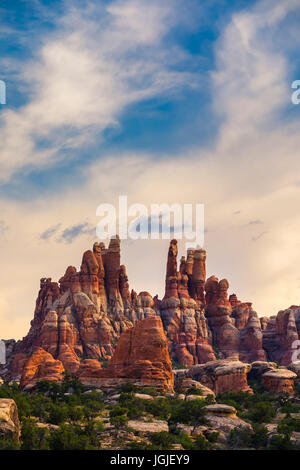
279	335
221	376
141	357
279	380
79	319
218	312
9	420
40	366
83	315
182	308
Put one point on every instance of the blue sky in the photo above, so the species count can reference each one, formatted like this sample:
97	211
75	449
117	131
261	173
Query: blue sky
164	101
165	122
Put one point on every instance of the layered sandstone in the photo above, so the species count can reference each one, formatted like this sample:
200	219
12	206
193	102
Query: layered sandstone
83	315
279	380
222	376
40	366
141	356
182	308
218	312
79	319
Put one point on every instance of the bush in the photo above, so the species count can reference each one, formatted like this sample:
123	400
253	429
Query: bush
128	387
162	440
33	437
58	414
201	443
262	412
239	438
9	444
279	442
260	436
74	437
189	412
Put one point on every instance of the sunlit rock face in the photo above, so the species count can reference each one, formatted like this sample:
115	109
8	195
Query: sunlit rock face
222	375
182	308
141	357
83	315
79	319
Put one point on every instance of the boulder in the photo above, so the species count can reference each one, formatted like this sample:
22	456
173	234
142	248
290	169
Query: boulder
279	380
188	383
148	426
9	420
259	368
220	409
223	375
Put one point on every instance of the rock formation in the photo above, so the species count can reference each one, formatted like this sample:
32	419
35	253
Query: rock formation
222	375
182	308
79	319
218	312
279	380
141	356
9	420
83	315
280	333
40	366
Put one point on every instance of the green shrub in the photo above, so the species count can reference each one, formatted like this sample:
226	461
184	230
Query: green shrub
162	440
74	437
239	438
9	444
259	437
33	437
262	412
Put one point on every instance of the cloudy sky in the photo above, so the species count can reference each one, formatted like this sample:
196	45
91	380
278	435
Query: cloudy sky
168	101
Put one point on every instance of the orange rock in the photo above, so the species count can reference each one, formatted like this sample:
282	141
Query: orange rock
136	359
41	366
279	380
222	376
182	309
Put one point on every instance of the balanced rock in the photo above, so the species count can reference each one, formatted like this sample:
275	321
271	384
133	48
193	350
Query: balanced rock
279	380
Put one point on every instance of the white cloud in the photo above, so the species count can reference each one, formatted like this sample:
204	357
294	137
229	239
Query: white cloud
252	169
98	61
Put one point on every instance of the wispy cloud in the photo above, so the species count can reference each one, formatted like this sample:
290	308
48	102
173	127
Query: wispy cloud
3	227
70	234
99	60
255	222
252	167
49	232
257	237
